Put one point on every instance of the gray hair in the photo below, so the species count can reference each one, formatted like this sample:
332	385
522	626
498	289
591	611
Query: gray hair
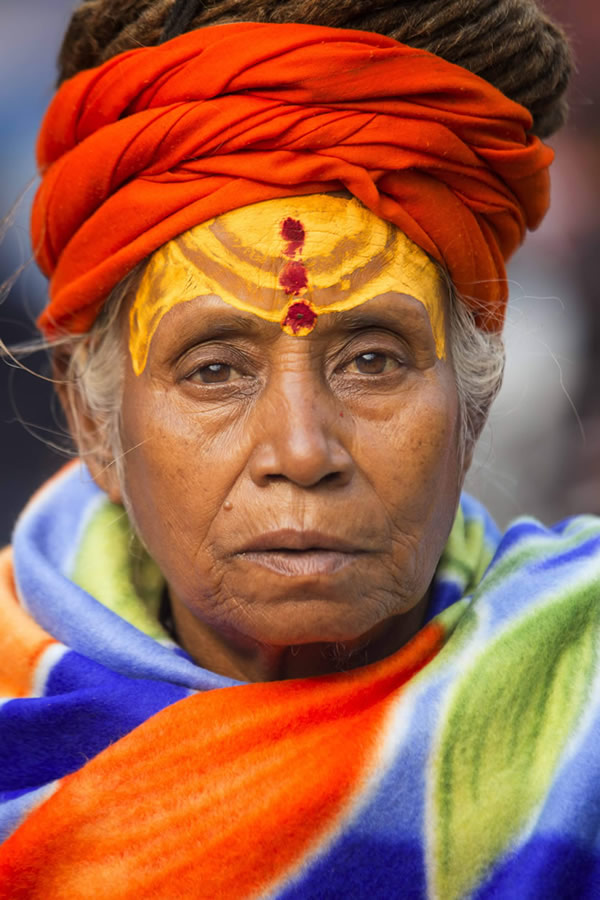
95	369
478	358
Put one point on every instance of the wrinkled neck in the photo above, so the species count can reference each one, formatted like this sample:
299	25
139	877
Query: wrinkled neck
236	656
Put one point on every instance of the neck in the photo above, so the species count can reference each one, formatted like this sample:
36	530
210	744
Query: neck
244	659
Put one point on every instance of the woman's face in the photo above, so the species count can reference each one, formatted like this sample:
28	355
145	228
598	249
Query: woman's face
294	487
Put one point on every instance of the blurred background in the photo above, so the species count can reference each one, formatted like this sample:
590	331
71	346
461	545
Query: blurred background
540	453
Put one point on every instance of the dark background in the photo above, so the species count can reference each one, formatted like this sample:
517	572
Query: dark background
541	452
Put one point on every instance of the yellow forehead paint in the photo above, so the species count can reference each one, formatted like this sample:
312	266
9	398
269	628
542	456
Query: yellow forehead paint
287	260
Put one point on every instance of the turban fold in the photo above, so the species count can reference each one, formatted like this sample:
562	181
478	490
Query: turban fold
159	139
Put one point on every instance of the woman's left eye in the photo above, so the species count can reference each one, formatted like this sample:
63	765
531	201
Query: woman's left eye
372	363
215	373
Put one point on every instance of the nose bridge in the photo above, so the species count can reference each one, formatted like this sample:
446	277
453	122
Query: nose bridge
300	438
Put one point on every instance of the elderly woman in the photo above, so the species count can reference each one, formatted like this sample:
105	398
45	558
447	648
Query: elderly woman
255	644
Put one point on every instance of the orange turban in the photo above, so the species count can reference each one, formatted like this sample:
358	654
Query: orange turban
159	139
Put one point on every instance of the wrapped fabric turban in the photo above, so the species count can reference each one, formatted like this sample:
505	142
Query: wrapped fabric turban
159	139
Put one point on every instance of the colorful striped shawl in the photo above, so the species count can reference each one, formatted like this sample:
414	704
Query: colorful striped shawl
465	765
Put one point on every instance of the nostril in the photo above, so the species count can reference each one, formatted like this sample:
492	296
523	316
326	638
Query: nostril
273	479
329	478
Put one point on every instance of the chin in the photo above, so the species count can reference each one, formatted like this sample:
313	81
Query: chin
312	622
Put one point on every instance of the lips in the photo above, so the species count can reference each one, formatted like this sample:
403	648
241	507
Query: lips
291	539
301	553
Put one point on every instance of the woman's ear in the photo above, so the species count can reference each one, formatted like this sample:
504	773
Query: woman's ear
89	431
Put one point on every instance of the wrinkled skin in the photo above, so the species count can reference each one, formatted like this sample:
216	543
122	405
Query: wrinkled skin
236	429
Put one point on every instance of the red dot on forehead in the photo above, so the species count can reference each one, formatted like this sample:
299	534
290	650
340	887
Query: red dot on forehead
292	231
294	278
299	317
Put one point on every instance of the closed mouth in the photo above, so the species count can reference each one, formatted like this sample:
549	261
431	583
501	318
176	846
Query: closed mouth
312	561
301	540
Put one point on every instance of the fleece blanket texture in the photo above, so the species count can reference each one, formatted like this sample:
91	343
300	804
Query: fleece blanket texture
465	765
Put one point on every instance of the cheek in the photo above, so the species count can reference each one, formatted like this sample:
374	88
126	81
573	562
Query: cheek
412	460
177	473
416	475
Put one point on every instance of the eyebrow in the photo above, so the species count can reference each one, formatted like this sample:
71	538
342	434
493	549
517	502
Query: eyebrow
207	323
359	318
214	324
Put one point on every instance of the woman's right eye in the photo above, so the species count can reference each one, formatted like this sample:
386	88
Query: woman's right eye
215	373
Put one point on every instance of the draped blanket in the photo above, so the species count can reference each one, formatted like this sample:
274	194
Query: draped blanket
465	765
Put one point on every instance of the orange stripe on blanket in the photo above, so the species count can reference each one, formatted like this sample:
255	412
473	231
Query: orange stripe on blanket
217	796
22	640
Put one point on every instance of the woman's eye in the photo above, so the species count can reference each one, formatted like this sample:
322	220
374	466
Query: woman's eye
216	373
372	363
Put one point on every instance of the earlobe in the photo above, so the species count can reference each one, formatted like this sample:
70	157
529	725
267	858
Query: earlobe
105	475
88	434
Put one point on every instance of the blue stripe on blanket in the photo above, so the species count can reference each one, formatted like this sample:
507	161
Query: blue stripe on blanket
86	707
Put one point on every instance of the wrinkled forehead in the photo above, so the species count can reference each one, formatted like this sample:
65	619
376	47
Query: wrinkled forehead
287	260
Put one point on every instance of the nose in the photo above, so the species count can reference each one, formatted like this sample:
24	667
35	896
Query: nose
301	436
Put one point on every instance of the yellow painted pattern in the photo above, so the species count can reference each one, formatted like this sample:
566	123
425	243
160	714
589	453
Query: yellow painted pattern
349	256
